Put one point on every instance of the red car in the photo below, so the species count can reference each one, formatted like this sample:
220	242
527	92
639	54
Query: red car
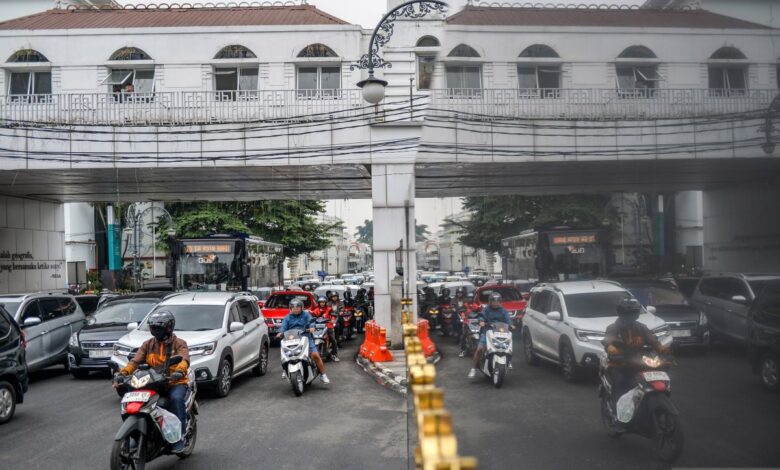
511	299
277	306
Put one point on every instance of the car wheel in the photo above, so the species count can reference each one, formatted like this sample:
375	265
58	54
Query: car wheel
528	349
7	402
262	365
569	367
769	369
224	378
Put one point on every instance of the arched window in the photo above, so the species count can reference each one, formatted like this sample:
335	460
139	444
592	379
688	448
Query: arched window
235	52
130	53
463	50
539	51
728	72
428	41
32	85
539	78
637	79
317	50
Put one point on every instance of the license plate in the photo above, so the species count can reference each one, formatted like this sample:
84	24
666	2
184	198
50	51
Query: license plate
655	376
100	353
136	397
681	333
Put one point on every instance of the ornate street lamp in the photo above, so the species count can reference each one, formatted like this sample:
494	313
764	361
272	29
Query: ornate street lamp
374	88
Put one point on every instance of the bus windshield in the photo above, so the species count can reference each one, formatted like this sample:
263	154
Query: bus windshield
209	267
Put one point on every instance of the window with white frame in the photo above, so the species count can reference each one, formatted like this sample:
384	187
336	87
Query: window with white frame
29	78
728	72
426	49
463	75
129	77
539	72
232	83
318	80
637	73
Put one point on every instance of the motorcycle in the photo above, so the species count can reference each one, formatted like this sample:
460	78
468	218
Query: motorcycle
432	314
360	319
647	409
297	364
498	353
142	436
450	321
471	330
347	317
322	338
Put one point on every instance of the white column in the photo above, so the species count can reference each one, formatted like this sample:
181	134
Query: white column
393	202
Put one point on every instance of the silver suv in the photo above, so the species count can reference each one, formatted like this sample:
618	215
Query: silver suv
726	299
47	320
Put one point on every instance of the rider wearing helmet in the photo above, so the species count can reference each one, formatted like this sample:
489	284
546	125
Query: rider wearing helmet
335	309
156	352
493	312
444	297
624	337
323	310
300	319
348	300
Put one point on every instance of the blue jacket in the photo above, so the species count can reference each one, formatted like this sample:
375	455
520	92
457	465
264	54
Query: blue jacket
499	315
301	321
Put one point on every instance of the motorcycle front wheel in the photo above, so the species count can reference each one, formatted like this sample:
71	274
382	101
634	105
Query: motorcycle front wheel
296	381
124	458
499	372
190	438
668	438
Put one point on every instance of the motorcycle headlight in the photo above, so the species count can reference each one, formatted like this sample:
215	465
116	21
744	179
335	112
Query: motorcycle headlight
587	335
702	318
135	382
662	331
203	349
74	340
651	361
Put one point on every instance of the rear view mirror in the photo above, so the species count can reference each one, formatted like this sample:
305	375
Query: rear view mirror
132	326
554	315
739	299
31	321
651	309
236	326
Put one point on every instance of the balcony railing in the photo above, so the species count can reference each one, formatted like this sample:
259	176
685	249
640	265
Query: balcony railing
594	103
176	108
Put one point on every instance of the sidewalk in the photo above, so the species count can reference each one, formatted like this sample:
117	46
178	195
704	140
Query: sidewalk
391	375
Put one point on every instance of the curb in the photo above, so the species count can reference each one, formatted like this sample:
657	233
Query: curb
383	376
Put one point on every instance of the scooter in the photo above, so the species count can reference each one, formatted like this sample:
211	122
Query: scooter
647	409
147	428
471	331
297	364
322	338
347	316
498	353
449	321
432	314
360	319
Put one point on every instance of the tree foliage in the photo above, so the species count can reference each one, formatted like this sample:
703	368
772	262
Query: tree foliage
365	232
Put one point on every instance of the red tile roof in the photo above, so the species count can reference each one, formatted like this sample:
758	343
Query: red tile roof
637	18
173	17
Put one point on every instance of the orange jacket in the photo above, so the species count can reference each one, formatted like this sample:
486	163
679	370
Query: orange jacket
152	352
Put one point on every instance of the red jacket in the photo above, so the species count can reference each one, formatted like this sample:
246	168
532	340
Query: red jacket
317	312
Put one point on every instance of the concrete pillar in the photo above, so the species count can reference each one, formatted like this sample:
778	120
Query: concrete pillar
393	193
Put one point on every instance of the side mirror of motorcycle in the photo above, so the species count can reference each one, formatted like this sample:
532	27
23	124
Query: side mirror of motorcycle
175	360
132	326
554	316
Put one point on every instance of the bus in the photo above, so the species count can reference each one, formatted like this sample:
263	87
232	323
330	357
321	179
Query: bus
226	263
557	254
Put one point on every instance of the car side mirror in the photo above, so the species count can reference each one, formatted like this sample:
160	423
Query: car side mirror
236	326
651	309
554	316
132	326
739	299
31	321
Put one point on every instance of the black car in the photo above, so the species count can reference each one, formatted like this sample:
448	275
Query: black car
91	348
763	334
13	366
689	326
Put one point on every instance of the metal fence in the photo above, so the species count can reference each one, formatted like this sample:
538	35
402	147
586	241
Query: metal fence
598	103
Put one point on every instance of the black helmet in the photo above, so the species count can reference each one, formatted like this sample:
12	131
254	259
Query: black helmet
495	297
445	291
161	325
347	294
628	309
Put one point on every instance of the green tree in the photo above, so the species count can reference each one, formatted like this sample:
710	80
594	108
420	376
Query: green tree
365	232
421	232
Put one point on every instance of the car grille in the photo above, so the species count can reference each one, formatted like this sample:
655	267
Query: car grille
683	325
87	345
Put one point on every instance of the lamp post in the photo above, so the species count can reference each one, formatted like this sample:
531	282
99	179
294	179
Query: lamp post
374	88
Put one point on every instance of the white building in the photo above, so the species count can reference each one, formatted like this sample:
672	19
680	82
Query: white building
80	242
456	257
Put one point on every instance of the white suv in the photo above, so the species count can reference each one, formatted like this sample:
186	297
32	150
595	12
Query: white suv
565	323
225	333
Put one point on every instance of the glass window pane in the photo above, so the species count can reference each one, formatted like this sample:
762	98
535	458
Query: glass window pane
454	77
625	78
527	77
226	79
472	77
248	80
717	82
144	81
549	78
736	78
20	83
331	78
307	78
648	73
42	83
425	66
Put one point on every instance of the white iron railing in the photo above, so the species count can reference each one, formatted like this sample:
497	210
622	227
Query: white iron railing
595	103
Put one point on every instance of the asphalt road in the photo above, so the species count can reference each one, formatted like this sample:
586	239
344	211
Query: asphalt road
350	424
538	421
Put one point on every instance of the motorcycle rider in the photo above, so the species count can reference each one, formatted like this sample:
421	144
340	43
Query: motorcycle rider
301	319
493	312
625	337
156	352
444	297
429	301
335	310
348	300
322	310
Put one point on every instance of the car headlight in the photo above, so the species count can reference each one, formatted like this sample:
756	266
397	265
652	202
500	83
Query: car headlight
702	318
587	335
74	340
203	349
662	331
122	350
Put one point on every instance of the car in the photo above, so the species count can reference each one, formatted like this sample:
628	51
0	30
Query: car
726	299
13	366
277	306
763	336
688	325
48	321
565	323
308	285
90	348
511	299
225	333
322	291
454	286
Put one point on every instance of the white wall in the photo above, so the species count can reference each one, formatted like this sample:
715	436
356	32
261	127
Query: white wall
80	236
31	246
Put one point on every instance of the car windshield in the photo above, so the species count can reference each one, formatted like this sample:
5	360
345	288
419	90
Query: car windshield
507	295
657	295
11	307
595	304
283	300
123	312
194	317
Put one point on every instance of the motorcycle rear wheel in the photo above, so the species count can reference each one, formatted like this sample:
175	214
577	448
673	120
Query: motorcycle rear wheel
121	458
296	381
668	438
499	372
610	425
190	438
